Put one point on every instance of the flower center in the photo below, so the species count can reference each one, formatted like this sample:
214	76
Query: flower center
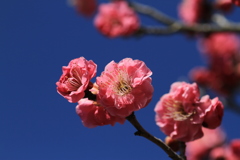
175	110
119	82
74	82
123	87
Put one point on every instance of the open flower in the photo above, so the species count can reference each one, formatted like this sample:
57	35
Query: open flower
125	87
76	79
180	113
116	19
93	115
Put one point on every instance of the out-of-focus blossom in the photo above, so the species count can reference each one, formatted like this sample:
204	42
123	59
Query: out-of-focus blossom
220	44
93	115
190	10
116	19
200	148
224	5
193	11
220	153
222	53
221	83
180	113
227	152
75	79
125	87
235	147
84	7
201	75
221	49
236	2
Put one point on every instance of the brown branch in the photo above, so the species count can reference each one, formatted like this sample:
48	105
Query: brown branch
142	132
182	146
174	26
198	28
151	12
152	30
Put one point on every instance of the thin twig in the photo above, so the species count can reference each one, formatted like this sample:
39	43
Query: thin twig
198	28
154	13
151	30
174	26
142	132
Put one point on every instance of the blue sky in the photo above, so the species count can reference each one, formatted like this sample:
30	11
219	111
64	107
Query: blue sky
37	38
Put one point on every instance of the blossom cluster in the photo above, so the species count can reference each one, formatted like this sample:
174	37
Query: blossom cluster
125	87
221	51
121	89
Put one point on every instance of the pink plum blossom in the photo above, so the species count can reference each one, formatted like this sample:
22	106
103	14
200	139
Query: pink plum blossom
201	75
223	81
220	44
75	79
125	87
220	49
227	152
84	7
93	115
116	19
190	11
177	113
207	77
200	148
180	113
